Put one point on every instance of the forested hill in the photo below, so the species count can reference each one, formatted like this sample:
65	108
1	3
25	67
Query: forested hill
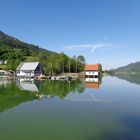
10	42
133	68
15	51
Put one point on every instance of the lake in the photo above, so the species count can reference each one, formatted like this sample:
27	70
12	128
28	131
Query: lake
62	110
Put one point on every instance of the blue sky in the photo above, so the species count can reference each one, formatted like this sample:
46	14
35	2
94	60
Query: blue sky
104	31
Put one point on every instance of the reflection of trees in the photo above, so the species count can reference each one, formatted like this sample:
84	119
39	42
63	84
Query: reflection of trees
59	88
81	87
11	96
100	80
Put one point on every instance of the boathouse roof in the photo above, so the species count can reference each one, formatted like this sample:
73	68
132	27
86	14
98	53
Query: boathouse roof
27	66
89	67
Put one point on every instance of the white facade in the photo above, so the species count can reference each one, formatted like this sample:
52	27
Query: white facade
91	80
95	73
26	74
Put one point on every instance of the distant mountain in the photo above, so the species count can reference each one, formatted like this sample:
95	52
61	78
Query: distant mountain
133	68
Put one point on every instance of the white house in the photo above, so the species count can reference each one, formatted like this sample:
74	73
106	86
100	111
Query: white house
29	69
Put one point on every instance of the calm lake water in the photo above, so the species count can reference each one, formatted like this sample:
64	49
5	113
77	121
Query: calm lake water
61	110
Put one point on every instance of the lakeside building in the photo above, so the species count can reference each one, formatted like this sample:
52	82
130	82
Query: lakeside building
93	70
29	69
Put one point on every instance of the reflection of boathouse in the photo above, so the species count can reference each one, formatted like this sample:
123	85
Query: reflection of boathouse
92	85
28	85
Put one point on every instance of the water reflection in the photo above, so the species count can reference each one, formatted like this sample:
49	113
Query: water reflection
59	88
27	84
93	83
13	93
4	82
90	110
133	78
89	84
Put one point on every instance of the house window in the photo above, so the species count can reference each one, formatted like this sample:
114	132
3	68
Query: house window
91	72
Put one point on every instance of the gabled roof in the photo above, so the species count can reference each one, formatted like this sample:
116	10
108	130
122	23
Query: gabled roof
28	66
92	67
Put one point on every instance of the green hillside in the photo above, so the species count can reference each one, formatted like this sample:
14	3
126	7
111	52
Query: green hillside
15	51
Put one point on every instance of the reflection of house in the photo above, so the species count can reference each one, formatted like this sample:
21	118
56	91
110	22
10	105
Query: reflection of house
27	85
92	82
29	69
91	79
92	70
92	85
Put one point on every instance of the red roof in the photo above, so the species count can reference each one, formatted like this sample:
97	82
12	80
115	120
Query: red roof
92	85
92	67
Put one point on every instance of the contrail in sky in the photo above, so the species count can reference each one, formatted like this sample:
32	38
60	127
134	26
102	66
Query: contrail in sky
92	47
